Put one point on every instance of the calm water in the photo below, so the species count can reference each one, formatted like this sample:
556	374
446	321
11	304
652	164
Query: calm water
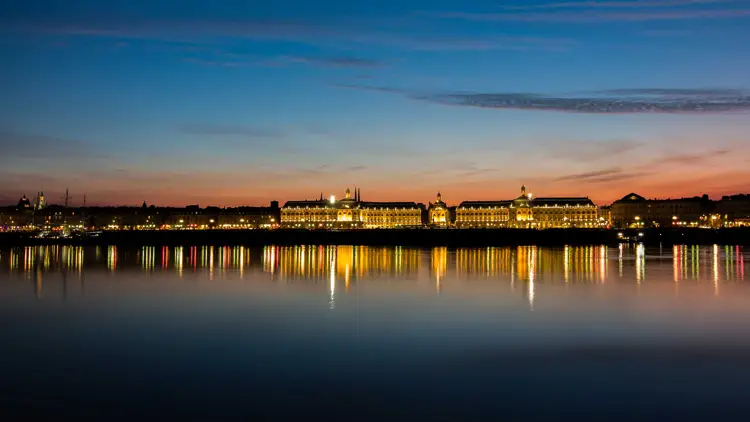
355	333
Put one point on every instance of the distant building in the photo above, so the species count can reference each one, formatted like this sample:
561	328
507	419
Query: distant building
40	203
24	204
483	214
438	213
528	212
350	212
605	215
634	210
734	210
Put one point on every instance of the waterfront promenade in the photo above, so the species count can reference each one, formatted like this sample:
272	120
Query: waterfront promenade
405	237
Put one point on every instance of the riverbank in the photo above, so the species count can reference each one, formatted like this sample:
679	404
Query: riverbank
418	238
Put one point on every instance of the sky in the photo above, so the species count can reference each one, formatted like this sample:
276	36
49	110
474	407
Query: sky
230	102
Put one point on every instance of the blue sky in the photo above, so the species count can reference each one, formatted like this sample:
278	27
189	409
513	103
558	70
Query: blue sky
242	102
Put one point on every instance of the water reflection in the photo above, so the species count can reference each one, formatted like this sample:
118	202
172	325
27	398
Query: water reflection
323	318
524	266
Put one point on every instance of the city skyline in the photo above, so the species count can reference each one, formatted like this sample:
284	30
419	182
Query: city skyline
327	196
232	104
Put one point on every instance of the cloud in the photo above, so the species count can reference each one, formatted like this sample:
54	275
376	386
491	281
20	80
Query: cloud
586	151
675	92
334	61
369	88
14	145
612	4
217	63
513	43
595	14
625	101
665	33
604	175
354	33
692	158
614	174
219	58
230	130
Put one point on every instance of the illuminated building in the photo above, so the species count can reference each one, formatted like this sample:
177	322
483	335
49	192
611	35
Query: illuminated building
438	214
528	212
39	202
350	212
734	210
192	217
605	215
483	214
634	210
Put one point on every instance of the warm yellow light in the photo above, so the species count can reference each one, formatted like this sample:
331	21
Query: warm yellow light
182	221
637	218
333	199
211	220
674	217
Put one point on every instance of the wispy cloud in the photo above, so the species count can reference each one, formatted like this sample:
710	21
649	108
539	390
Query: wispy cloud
512	43
352	34
335	61
238	60
665	33
676	92
14	145
695	158
230	130
614	174
607	11
370	88
611	4
626	101
588	151
605	175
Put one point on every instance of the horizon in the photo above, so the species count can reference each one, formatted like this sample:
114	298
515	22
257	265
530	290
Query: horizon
232	103
282	202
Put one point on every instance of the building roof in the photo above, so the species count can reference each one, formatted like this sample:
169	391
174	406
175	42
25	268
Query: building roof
580	201
388	205
24	203
484	204
633	197
438	204
307	203
351	203
535	202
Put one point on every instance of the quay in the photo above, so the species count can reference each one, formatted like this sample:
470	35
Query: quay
417	237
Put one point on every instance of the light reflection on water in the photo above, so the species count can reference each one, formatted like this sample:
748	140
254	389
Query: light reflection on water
627	319
524	266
